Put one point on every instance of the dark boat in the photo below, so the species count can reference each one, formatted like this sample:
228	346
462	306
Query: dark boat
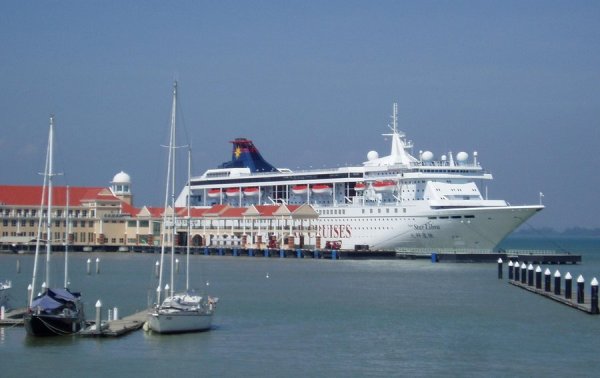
56	312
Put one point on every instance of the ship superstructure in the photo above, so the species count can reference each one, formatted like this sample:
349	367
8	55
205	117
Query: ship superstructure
390	202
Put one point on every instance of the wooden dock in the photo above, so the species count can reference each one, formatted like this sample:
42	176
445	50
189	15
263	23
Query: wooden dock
13	318
586	306
116	328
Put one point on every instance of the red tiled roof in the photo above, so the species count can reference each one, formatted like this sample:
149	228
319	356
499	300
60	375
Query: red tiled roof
17	195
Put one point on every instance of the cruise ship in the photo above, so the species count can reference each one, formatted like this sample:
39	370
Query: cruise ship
394	202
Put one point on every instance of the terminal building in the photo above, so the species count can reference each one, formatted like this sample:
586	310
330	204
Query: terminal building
98	218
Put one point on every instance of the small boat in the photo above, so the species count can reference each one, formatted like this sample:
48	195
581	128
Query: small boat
321	189
55	311
384	186
232	192
214	193
4	292
178	312
360	186
252	191
300	189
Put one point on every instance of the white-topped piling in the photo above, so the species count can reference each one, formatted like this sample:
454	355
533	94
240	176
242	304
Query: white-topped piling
594	304
557	277
568	285
98	315
97	265
156	268
547	279
510	269
89	266
580	288
115	313
500	268
18	266
538	277
530	275
523	273
517	270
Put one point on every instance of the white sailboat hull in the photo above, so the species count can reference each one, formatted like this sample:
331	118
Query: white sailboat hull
179	321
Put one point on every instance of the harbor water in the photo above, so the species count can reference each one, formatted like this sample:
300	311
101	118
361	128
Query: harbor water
303	317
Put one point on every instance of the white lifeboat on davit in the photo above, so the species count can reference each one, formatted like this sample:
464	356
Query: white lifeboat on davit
232	192
253	191
300	189
321	189
214	193
384	186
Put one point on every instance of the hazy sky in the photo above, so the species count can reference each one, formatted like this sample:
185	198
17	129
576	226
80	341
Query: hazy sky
312	83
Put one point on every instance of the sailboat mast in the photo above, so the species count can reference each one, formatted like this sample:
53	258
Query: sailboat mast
172	158
68	226
49	217
189	223
39	230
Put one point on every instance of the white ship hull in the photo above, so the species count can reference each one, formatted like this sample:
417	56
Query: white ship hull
468	228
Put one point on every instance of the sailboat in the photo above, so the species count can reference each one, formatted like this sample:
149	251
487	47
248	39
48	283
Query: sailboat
55	311
4	292
185	311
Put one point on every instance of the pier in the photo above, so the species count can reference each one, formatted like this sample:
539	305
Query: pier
552	286
118	327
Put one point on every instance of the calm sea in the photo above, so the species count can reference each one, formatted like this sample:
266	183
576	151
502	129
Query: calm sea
303	317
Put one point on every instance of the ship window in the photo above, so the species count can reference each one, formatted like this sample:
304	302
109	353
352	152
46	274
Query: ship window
431	217
443	217
456	217
469	216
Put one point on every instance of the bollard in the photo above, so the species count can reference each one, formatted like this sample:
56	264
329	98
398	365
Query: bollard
547	279
89	266
517	270
594	304
557	282
580	287
18	266
98	310
530	275
156	269
523	273
500	268
97	265
510	269
538	277
568	285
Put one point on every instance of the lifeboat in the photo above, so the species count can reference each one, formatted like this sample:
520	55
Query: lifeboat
300	189
213	193
232	192
321	189
251	191
384	186
360	186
